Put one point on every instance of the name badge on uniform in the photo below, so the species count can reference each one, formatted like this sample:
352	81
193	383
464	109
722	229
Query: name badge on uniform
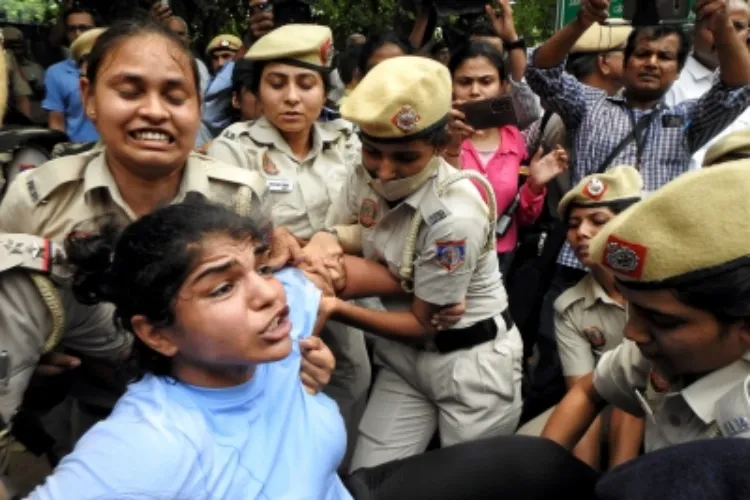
279	185
672	121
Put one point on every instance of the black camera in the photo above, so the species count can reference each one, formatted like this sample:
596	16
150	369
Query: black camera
653	12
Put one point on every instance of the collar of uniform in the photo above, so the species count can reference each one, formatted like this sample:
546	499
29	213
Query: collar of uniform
595	293
415	199
98	175
698	71
263	132
703	394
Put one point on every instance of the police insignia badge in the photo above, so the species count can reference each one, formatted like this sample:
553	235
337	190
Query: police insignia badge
406	119
268	165
224	43
451	254
659	383
594	336
595	189
368	213
326	52
625	257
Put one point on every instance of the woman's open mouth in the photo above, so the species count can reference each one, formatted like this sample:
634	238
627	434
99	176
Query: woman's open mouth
278	328
152	138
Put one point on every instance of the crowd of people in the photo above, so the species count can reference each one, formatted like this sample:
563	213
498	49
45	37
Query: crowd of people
283	271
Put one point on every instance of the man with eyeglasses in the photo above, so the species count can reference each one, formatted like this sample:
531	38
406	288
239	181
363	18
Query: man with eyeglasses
63	98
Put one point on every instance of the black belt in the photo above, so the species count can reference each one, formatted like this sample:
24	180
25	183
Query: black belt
457	339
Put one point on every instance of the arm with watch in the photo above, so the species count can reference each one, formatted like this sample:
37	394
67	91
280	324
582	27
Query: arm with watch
514	45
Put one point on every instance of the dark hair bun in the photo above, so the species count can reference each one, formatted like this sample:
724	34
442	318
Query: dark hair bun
90	255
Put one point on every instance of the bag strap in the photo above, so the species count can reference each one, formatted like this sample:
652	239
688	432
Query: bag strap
643	123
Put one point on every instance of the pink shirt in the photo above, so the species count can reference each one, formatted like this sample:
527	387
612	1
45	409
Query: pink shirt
502	172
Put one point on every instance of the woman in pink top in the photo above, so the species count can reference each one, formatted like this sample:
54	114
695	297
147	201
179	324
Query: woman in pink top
479	73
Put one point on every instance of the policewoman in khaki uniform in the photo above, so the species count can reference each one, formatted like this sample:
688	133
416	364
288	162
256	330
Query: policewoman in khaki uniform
682	262
590	317
304	163
142	95
427	223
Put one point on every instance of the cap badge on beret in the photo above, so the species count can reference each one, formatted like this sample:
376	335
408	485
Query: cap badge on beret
326	52
624	257
595	189
406	119
224	43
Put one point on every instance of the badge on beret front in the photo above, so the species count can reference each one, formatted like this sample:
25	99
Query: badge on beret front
595	189
406	119
624	257
224	43
326	53
450	254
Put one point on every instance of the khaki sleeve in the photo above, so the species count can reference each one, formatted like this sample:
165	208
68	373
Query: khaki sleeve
25	323
619	373
444	267
16	209
575	352
231	152
20	86
344	208
91	330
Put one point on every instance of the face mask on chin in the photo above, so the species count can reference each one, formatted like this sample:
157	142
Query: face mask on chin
399	189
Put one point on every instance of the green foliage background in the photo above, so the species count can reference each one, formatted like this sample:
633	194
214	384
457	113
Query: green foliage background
534	18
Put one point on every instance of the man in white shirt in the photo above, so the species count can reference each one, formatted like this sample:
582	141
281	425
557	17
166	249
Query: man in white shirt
698	75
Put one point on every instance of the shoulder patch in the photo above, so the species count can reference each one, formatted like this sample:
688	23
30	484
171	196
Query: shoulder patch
450	254
570	296
29	252
43	180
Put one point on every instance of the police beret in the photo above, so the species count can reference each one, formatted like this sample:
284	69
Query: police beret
690	229
600	38
85	43
308	45
224	42
734	146
399	98
621	183
12	34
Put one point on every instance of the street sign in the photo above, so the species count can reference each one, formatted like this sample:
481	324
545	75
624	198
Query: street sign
567	10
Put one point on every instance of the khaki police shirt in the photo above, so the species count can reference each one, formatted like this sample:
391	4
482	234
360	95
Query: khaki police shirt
26	319
20	86
587	324
299	192
675	413
450	262
57	197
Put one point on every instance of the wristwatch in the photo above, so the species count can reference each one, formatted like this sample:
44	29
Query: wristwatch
519	43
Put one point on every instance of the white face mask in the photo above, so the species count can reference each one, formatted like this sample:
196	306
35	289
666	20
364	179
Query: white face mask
399	189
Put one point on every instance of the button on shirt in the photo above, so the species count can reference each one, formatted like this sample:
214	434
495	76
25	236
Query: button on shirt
598	122
675	413
63	96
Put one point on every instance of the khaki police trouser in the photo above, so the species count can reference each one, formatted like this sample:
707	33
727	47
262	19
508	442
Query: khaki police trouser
351	379
468	394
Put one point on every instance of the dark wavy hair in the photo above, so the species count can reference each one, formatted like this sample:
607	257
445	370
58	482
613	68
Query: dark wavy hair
375	42
478	48
141	268
134	28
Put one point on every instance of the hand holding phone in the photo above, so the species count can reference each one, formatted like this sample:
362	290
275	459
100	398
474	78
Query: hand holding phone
489	113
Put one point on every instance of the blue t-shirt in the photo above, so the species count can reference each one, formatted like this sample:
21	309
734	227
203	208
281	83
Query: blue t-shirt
64	96
265	439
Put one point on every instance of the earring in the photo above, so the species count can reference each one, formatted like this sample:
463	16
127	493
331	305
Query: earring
91	114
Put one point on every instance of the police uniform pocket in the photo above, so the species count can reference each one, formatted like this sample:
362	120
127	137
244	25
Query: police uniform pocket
484	373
